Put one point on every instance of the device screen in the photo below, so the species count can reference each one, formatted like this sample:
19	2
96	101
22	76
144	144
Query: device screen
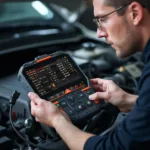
52	77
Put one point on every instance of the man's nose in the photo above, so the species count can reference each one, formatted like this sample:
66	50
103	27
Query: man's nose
101	33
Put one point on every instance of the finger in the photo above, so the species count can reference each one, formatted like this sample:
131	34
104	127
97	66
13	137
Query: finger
34	97
33	105
94	81
98	88
33	108
99	95
97	81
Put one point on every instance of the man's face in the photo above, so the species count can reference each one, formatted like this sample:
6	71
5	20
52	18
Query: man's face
117	30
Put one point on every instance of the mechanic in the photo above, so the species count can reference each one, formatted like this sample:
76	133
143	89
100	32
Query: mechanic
125	24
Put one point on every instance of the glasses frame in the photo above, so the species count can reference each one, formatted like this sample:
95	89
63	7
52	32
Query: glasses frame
98	19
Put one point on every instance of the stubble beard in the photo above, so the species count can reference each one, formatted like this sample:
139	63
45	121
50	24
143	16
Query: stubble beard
130	44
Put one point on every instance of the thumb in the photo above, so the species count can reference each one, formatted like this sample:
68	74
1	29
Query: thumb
34	97
98	95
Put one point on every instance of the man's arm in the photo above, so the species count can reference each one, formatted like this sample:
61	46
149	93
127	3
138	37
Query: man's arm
49	114
73	137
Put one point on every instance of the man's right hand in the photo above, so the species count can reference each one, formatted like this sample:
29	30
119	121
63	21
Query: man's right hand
110	92
45	111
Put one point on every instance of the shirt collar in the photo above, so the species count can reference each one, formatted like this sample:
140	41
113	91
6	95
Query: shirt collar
146	53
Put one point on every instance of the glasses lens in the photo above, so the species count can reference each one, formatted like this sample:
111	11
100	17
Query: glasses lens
96	22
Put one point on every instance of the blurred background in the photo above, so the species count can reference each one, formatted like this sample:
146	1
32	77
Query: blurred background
81	10
71	5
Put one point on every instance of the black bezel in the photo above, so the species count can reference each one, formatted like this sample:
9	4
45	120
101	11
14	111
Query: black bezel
52	60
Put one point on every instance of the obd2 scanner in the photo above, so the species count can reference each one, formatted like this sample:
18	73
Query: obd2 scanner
58	79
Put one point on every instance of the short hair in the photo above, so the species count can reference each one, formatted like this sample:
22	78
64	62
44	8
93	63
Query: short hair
119	3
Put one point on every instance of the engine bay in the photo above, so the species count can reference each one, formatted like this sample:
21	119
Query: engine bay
104	65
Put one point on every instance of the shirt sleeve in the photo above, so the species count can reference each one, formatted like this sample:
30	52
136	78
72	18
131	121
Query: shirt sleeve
133	133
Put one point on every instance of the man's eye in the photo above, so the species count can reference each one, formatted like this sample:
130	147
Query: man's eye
102	19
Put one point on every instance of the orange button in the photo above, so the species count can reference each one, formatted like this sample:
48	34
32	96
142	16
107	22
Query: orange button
56	102
67	91
96	101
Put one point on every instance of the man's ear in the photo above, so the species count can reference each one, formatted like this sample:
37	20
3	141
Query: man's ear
136	13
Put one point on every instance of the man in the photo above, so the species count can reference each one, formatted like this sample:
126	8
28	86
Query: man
125	24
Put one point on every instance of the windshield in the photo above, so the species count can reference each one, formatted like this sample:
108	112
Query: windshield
20	12
32	23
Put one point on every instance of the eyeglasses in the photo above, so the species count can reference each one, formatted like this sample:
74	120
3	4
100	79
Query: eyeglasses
98	21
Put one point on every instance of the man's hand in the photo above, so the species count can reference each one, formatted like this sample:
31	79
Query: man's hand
110	92
45	111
